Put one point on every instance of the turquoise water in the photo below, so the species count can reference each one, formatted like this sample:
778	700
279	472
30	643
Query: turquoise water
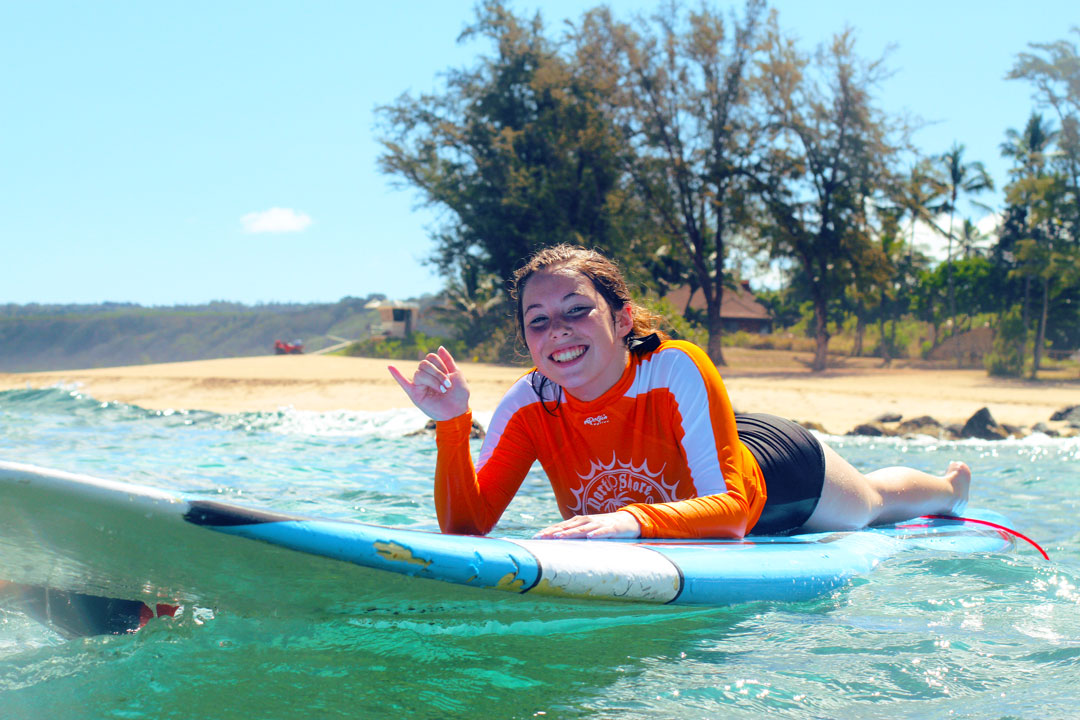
992	636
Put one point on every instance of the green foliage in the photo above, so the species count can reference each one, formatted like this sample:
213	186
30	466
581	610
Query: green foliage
831	159
680	93
667	139
1007	357
796	342
473	303
675	324
518	149
414	347
901	340
783	304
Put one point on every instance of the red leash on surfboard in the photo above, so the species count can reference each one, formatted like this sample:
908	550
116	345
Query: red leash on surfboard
1000	528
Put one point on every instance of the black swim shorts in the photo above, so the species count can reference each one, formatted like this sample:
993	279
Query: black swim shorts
793	464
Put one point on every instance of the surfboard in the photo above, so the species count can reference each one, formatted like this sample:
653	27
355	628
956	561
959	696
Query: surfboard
104	537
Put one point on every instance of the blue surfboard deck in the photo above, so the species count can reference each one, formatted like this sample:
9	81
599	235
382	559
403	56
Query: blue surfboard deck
84	534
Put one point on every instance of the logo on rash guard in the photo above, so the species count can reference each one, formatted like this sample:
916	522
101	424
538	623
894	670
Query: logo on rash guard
610	486
596	420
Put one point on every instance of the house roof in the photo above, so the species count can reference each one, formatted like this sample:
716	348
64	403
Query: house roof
398	304
735	304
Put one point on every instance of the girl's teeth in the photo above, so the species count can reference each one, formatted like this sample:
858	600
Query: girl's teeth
567	355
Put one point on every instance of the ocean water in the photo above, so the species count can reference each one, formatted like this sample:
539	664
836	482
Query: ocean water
985	636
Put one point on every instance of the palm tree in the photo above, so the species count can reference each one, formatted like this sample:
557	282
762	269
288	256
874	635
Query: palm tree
1028	149
473	301
960	177
921	198
1041	191
969	240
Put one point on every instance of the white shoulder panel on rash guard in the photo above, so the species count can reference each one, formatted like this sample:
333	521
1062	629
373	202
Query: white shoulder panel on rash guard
673	369
520	395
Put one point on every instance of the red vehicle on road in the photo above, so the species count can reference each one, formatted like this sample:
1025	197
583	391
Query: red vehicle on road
283	348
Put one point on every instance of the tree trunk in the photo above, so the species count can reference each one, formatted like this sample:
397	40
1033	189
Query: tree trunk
883	342
860	335
1041	335
949	279
1025	316
716	334
821	335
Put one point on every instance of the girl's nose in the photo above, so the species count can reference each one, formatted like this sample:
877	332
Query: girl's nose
560	327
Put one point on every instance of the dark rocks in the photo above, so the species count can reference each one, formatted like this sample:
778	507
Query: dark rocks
872	429
1045	430
815	426
1015	430
477	432
922	425
1070	414
982	425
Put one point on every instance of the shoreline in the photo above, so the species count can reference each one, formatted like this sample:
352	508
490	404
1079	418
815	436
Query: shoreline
777	382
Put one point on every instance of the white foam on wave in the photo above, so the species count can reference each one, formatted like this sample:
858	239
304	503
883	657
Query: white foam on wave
927	441
350	423
347	423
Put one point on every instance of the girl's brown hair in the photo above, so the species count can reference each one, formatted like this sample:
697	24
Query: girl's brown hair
605	277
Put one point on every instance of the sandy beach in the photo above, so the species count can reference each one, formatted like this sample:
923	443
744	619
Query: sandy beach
758	381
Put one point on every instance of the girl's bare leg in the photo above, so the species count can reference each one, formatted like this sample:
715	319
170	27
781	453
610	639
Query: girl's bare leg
851	500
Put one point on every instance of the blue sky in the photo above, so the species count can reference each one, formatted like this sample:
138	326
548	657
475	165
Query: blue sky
165	153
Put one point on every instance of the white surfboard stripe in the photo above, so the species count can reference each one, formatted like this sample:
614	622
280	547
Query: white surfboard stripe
586	569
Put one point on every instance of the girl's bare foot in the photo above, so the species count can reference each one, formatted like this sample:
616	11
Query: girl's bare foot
958	476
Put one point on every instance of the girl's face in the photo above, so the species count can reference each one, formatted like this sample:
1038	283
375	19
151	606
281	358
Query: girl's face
572	337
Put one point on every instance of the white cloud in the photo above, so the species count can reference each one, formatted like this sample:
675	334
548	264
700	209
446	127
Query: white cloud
935	244
275	220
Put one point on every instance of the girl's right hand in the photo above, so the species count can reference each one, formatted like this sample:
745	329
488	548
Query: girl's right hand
437	387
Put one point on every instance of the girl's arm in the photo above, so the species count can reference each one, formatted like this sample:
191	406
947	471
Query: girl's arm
466	502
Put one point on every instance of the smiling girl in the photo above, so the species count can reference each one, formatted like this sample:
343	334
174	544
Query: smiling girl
636	433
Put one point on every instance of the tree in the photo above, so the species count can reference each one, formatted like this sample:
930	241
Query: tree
1028	149
1054	70
921	196
1045	188
473	302
830	158
897	277
1044	255
680	86
517	150
1038	192
960	177
970	239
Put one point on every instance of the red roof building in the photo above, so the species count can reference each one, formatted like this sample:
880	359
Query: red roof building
739	308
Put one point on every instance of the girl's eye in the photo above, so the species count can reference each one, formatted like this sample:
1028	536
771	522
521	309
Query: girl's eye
537	321
577	310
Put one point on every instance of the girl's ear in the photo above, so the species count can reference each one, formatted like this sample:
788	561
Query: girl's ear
624	321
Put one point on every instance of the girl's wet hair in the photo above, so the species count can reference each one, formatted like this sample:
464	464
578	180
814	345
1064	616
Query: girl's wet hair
644	335
605	277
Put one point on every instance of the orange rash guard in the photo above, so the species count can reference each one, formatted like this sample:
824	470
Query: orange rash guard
660	444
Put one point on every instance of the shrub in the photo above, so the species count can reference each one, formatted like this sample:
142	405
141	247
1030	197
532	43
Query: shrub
413	347
1006	359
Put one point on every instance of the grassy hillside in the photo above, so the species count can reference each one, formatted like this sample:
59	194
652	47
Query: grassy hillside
60	337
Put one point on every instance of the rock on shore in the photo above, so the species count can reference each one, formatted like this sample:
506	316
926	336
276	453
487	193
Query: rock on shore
981	425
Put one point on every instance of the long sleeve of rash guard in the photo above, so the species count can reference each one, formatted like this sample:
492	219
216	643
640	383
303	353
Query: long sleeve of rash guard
467	503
